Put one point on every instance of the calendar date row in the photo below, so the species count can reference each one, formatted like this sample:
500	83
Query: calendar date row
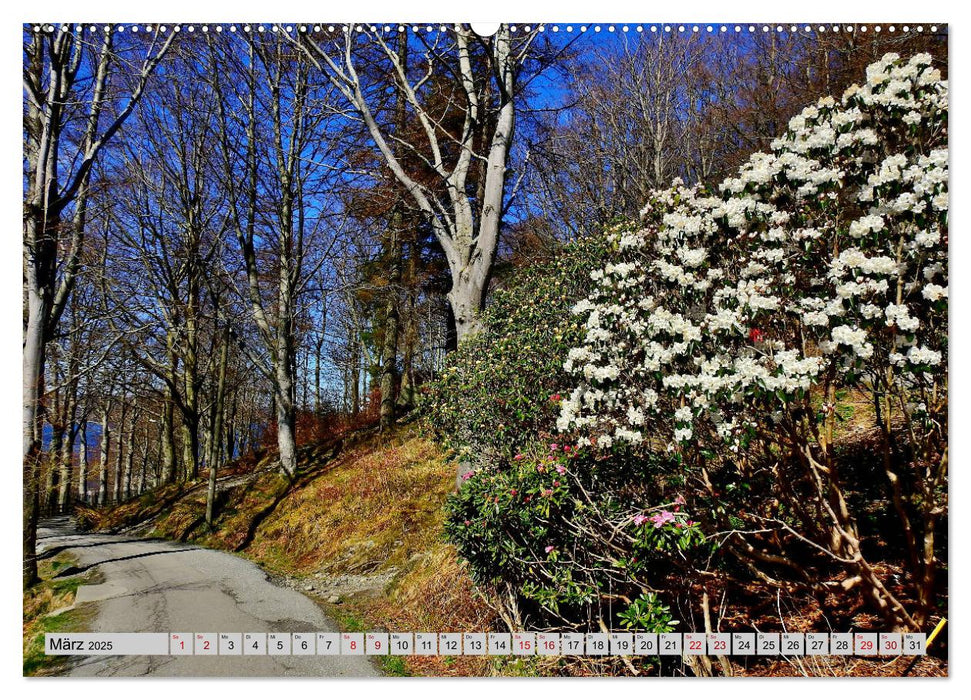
486	644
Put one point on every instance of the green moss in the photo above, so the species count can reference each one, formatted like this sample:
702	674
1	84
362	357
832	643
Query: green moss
394	666
349	620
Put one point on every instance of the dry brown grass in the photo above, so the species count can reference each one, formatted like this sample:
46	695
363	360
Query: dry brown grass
377	508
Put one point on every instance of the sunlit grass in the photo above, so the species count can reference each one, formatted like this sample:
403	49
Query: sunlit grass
46	597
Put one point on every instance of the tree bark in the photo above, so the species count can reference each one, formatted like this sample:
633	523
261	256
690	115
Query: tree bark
120	453
129	457
167	437
217	428
67	467
103	464
406	394
354	378
285	412
83	461
52	485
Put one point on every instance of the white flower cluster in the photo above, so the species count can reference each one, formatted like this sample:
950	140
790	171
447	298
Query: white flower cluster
827	254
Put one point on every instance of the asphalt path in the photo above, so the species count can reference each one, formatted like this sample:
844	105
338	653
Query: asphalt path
160	586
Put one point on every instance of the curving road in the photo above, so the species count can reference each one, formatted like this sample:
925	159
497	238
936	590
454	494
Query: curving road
159	586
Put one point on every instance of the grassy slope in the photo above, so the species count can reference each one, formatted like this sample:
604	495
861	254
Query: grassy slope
373	511
48	607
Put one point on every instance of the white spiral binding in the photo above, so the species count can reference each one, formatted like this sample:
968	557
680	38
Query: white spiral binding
428	28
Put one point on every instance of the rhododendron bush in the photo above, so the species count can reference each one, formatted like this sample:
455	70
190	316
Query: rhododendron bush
559	535
727	325
571	541
498	391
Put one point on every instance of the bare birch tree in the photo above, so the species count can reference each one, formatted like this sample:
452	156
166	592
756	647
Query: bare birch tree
466	200
272	139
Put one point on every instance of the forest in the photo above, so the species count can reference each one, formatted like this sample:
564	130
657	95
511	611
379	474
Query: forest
669	304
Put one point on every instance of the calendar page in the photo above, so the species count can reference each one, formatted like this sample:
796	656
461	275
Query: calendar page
449	349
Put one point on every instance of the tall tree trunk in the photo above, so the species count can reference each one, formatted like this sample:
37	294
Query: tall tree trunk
39	282
129	456
190	371
393	253
285	413
389	354
406	394
120	452
355	378
167	439
105	451
83	460
318	357
51	484
231	429
71	430
67	467
143	472
217	426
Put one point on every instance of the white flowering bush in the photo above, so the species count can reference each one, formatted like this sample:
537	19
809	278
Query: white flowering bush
727	323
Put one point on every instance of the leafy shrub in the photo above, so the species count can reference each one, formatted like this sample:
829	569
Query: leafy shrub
497	392
649	614
571	540
560	537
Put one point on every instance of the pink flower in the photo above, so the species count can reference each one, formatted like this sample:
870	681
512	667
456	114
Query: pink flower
640	519
555	397
468	475
513	492
549	548
468	522
547	492
556	483
560	469
519	456
554	446
679	500
659	519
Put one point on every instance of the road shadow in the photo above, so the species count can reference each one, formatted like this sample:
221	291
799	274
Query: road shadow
75	570
54	551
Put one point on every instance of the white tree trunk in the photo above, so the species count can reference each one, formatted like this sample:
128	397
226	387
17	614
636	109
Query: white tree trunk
285	410
103	466
33	373
83	462
465	298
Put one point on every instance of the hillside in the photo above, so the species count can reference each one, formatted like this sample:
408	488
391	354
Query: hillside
360	531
